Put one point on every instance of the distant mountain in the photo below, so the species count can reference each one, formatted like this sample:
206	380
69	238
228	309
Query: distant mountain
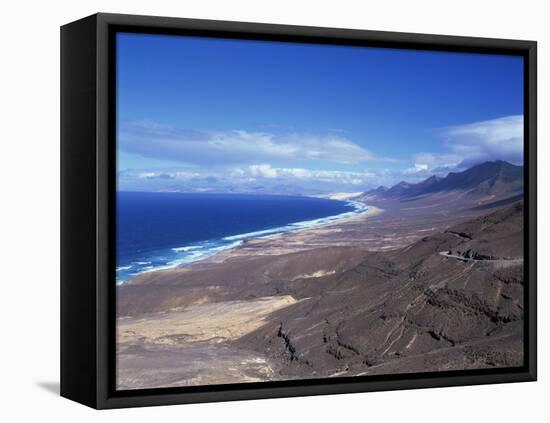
378	191
398	190
497	178
486	178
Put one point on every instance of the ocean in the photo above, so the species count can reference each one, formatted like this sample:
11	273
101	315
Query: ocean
166	230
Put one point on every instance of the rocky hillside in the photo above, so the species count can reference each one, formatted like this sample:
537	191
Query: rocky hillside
498	178
449	301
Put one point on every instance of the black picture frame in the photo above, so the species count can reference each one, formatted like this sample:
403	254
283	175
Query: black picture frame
88	199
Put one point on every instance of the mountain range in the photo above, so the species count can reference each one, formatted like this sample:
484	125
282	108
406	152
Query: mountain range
496	179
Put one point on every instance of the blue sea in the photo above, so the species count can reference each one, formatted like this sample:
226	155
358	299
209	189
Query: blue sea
166	230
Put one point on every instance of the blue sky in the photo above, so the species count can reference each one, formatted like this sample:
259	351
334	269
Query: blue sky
205	114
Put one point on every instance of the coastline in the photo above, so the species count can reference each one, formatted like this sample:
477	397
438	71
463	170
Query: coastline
212	251
291	242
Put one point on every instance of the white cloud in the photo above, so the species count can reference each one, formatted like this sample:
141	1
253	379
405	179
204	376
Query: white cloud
506	130
496	139
159	174
418	167
477	142
263	171
297	172
146	175
262	177
282	173
242	161
237	146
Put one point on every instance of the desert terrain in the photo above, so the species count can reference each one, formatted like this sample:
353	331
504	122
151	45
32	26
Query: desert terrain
429	279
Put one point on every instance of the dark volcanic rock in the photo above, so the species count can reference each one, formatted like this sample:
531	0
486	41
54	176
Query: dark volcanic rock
410	310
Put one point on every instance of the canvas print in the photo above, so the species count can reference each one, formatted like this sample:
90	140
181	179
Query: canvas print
290	211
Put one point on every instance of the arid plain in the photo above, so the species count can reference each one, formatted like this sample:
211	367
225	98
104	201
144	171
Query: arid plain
429	279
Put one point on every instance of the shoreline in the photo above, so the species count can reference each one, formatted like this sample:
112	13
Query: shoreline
210	251
271	245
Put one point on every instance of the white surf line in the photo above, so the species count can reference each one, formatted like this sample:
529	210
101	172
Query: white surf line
360	208
197	253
